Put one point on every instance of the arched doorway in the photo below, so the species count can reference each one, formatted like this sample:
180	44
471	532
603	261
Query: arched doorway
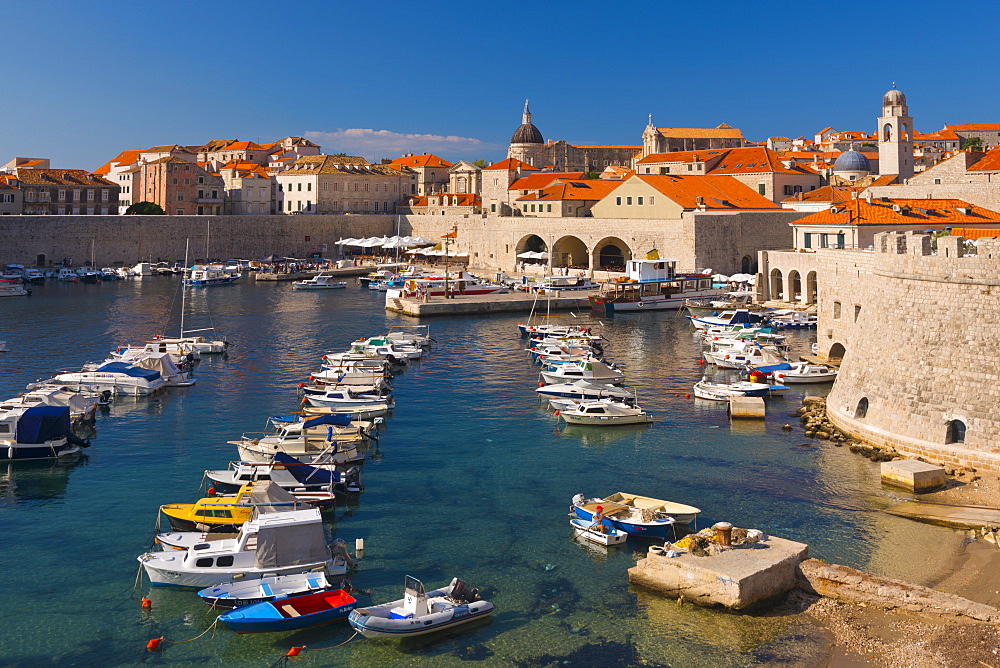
956	432
748	265
777	285
611	254
570	252
40	260
862	410
837	352
794	286
811	289
532	243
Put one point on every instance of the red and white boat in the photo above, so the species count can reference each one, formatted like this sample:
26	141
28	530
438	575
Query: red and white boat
459	283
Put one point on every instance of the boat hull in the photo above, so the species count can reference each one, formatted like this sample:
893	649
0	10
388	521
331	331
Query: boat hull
609	537
598	304
657	529
162	577
239	594
267	617
10	451
371	626
605	420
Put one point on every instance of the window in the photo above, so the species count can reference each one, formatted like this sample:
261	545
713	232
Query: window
628	201
215	194
201	179
309	186
104	210
289	205
174	181
90	195
300	187
62	195
366	187
549	208
862	410
836	310
180	197
618	201
761	187
647	170
639	201
180	212
690	167
807	240
204	562
937	182
336	186
76	194
201	210
104	194
651	200
857	312
201	193
956	432
224	562
840	240
532	208
493	208
187	182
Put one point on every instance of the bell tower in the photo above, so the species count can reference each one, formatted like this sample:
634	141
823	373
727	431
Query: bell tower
895	136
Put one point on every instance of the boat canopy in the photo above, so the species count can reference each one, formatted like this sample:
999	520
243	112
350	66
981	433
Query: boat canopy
159	362
269	497
305	473
785	366
43	423
329	418
129	370
291	545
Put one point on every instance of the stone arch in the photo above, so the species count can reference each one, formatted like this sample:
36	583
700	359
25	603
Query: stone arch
862	409
569	251
777	285
811	294
530	242
903	133
887	132
956	432
837	351
794	286
610	253
748	265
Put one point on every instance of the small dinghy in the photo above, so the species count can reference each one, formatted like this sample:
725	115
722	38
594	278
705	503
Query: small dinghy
418	612
604	413
704	389
291	614
803	372
610	535
247	592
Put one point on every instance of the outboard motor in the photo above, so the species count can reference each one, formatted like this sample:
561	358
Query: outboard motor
578	500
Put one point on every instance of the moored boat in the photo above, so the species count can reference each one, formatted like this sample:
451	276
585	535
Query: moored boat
652	285
292	613
319	282
37	432
634	514
240	593
604	413
420	612
600	534
803	372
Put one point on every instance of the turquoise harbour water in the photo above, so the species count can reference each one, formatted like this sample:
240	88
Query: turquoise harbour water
472	478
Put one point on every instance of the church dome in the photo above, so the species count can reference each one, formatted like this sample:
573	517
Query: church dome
851	161
894	98
527	133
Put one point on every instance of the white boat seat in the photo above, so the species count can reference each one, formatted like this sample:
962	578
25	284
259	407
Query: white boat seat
290	611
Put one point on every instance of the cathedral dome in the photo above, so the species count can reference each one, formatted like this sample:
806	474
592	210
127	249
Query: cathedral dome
851	161
527	133
894	98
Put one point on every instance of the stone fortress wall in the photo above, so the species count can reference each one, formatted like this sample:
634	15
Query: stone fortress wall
919	330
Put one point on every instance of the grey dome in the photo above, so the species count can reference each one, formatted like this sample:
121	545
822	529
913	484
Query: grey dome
894	98
527	133
851	161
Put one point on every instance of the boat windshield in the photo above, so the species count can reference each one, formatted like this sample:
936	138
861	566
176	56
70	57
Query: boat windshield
413	586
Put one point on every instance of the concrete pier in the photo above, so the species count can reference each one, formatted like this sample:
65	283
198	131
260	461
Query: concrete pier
913	475
512	302
736	578
956	517
746	407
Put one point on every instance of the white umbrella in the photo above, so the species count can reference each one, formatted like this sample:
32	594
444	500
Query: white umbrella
720	278
526	255
347	242
421	240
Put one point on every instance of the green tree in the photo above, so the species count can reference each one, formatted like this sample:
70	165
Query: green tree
972	144
591	176
481	163
145	209
869	144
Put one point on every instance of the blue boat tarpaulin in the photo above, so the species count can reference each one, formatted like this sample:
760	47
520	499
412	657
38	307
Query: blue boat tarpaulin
129	370
785	366
305	473
329	418
43	423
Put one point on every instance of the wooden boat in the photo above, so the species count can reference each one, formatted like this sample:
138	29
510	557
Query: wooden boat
247	592
652	285
292	613
610	535
634	514
419	612
604	413
319	282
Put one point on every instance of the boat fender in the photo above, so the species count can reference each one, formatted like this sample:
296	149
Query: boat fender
211	491
145	603
154	644
294	651
301	385
557	412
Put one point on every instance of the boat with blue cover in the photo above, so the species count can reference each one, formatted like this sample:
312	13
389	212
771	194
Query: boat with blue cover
316	484
420	612
116	377
292	613
739	318
37	432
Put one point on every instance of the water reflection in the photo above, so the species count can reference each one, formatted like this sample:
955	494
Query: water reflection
36	481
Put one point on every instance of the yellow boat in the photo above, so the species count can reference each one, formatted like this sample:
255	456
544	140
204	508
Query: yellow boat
217	513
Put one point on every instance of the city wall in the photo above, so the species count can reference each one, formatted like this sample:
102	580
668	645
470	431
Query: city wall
986	196
916	331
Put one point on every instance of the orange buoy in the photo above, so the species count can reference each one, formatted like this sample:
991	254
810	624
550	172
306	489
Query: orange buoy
557	412
154	644
146	603
305	400
677	395
211	491
541	384
687	396
701	362
295	651
301	385
325	357
312	377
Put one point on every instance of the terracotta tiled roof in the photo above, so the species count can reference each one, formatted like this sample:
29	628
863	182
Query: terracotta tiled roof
988	163
973	233
616	173
592	190
826	194
622	146
124	158
940	134
332	164
67	177
722	131
755	160
512	165
542	180
975	127
242	146
681	156
168	148
714	189
940	212
425	160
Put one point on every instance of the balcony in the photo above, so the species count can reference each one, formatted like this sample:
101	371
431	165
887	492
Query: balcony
208	200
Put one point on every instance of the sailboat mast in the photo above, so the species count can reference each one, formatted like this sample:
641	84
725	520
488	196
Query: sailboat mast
187	245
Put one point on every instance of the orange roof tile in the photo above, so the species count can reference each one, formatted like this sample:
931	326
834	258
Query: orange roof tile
988	163
541	180
975	127
512	165
592	190
722	131
243	146
463	199
826	194
682	156
714	189
425	160
753	160
930	212
973	233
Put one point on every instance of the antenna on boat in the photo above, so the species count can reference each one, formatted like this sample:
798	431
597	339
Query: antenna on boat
187	245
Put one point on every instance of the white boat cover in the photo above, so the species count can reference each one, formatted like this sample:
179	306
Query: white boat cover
291	545
266	492
158	362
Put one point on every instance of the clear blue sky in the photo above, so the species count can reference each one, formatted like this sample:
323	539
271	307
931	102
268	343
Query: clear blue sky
83	81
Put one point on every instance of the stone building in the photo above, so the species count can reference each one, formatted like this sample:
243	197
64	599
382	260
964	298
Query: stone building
25	163
895	138
987	133
65	192
11	199
432	172
670	140
342	184
563	197
527	145
180	187
496	181
249	188
465	177
441	204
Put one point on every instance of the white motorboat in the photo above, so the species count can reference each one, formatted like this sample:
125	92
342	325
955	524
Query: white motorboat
129	352
116	377
272	543
13	287
419	612
564	284
69	275
189	344
37	432
312	483
593	370
563	403
356	413
204	276
345	398
738	317
3	347
411	335
240	593
82	407
604	413
385	347
319	282
704	389
793	319
583	389
319	440
746	354
174	375
597	533
803	372
552	330
353	377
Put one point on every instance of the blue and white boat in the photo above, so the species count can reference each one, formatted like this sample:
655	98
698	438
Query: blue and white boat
704	389
732	319
419	612
247	592
203	276
38	432
634	514
291	614
116	377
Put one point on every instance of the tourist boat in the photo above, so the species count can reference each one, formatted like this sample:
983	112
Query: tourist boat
345	398
741	318
82	407
652	285
459	283
563	284
13	287
640	515
790	318
116	377
583	389
241	593
609	536
292	613
37	432
272	543
319	282
313	484
203	276
604	413
803	372
419	612
593	370
704	389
